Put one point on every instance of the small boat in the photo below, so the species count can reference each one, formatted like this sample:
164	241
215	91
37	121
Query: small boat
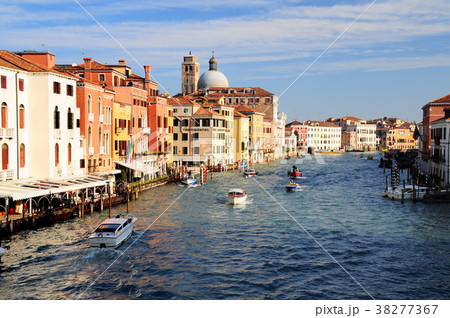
236	196
250	172
113	232
292	186
189	180
294	173
2	252
370	157
396	194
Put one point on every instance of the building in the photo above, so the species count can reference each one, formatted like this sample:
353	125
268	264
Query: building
357	134
256	132
323	136
300	131
212	77
199	134
39	118
440	149
241	137
190	70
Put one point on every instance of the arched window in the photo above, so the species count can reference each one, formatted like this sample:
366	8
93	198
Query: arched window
89	104
56	155
69	154
69	119
56	118
21	116
99	136
22	155
5	157
89	137
99	105
4	115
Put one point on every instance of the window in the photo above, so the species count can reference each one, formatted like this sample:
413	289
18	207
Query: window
184	137
69	154
175	150
101	77
185	123
175	110
5	157
89	137
21	116
69	90
195	136
21	84
4	115
185	110
56	118
89	104
176	122
56	155
3	81
205	123
196	150
99	136
56	87
175	136
99	105
82	163
185	150
69	119
22	155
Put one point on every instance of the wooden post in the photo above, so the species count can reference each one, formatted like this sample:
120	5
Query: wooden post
387	182
101	200
384	166
403	195
82	204
414	191
128	200
110	203
409	181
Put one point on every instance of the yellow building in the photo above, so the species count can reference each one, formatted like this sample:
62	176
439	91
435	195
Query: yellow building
169	137
256	132
241	137
121	130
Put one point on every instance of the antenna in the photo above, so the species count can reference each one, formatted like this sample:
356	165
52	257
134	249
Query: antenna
43	46
83	52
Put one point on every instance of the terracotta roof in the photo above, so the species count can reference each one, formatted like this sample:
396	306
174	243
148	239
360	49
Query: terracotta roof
294	123
320	123
441	100
179	101
349	118
204	111
238	114
9	59
244	109
239	91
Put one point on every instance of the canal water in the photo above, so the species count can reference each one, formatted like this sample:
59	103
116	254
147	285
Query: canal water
189	244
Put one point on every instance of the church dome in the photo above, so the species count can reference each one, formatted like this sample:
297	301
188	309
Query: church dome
212	77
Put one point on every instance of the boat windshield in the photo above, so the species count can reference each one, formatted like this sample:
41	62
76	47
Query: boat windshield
107	228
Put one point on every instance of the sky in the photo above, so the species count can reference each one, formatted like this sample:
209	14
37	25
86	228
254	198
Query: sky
390	61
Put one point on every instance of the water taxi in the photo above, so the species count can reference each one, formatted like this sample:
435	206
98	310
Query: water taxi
236	196
113	232
396	194
189	180
292	186
295	173
250	172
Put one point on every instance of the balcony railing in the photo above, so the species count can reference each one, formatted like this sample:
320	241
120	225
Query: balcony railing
146	131
57	133
70	133
159	131
102	150
166	131
100	118
70	170
6	132
91	151
58	171
91	117
6	175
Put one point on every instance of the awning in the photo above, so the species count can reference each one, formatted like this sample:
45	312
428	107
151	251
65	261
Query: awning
108	173
130	166
30	188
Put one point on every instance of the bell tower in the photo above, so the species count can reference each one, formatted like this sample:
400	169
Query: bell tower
190	72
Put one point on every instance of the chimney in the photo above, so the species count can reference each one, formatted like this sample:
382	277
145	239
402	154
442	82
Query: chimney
121	62
87	63
147	69
46	59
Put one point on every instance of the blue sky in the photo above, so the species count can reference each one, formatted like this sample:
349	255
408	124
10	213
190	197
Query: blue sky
391	62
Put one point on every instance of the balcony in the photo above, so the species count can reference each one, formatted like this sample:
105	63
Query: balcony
6	175
91	117
70	170
100	118
146	131
6	132
102	150
57	133
166	131
91	151
58	171
70	133
159	131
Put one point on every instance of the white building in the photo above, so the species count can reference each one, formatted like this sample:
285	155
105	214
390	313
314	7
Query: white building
323	136
440	149
37	105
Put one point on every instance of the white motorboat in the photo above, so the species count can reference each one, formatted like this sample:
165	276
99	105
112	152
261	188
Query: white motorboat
250	172
292	186
113	232
236	196
396	194
189	180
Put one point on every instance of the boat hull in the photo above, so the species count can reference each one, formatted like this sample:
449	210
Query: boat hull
237	200
397	193
189	182
295	175
292	188
111	240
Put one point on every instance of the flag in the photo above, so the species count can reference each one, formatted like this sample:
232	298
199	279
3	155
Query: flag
129	149
416	133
